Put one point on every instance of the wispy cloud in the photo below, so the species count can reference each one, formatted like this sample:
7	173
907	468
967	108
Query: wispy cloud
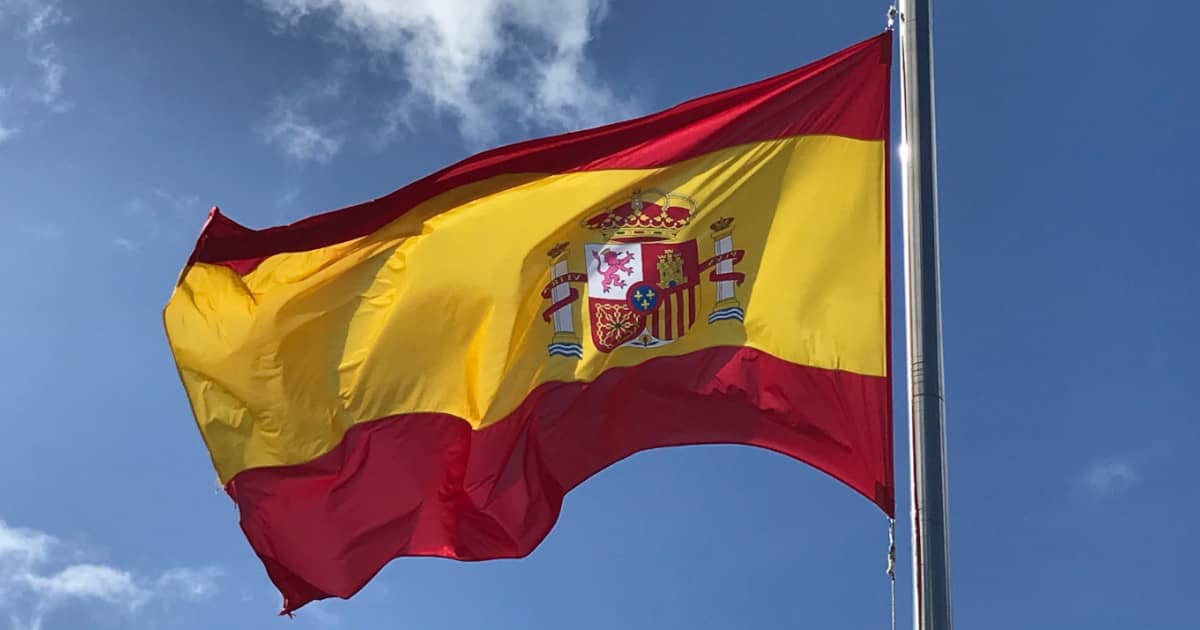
192	584
50	85
289	196
486	63
321	617
299	138
1107	476
155	216
44	231
41	84
37	576
125	244
41	15
290	126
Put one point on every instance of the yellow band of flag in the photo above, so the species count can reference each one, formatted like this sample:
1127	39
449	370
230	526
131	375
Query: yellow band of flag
440	310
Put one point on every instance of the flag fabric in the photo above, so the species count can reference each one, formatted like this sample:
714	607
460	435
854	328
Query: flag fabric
430	372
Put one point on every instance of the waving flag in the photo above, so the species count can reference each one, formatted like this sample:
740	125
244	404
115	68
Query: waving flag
428	373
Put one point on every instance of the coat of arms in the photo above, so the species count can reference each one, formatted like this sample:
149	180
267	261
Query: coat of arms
643	285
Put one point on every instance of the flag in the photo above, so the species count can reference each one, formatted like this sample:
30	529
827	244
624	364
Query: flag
430	372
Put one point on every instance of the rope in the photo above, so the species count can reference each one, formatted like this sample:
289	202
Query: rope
891	565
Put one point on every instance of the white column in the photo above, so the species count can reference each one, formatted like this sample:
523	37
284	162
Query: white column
724	245
564	320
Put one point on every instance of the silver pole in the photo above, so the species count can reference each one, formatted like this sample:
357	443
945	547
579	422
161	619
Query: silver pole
927	424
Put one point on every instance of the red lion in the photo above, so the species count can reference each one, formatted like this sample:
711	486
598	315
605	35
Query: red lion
616	264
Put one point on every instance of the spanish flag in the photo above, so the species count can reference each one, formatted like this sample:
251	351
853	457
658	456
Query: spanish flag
428	373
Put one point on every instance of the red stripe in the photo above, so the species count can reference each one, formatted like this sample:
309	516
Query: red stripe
843	94
667	318
691	300
679	326
428	485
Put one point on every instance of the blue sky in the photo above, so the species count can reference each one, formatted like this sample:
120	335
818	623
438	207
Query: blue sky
1068	147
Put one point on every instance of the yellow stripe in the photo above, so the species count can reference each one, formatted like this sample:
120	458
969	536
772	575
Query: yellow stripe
440	311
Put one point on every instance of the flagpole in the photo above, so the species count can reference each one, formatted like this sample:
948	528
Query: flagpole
927	424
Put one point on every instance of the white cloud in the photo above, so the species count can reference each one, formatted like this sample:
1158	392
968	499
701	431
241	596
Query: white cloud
486	63
37	576
7	132
1108	476
22	547
90	581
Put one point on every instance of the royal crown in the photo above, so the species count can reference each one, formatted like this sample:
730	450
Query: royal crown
650	215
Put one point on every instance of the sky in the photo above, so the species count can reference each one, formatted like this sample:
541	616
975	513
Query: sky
1068	147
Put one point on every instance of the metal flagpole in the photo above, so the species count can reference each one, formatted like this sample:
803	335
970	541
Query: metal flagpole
927	425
